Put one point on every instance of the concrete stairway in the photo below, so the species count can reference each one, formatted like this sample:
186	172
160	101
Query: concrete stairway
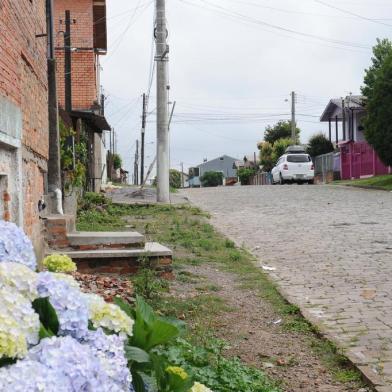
105	252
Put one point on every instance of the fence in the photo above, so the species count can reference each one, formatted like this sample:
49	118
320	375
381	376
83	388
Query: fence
327	167
261	179
358	159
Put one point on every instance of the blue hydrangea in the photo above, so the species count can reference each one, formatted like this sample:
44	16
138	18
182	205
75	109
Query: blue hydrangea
15	246
74	361
27	375
69	303
109	349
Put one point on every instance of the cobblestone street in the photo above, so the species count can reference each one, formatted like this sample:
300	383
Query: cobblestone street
330	251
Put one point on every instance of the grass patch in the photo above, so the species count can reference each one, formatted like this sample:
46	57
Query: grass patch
186	230
379	182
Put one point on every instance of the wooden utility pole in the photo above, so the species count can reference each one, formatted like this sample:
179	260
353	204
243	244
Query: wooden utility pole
182	175
144	115
162	50
136	164
293	122
54	167
344	119
68	62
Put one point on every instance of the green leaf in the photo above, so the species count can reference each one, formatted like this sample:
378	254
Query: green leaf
136	354
162	332
45	333
47	315
124	306
144	311
7	361
138	383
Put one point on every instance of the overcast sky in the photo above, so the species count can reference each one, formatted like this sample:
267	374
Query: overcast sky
233	64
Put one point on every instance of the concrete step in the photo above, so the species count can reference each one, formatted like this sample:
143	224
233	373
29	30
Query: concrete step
100	240
122	261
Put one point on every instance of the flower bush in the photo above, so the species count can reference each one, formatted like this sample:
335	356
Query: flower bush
15	246
54	338
59	263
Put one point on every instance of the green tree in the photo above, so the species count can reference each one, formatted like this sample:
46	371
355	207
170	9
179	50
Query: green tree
266	160
175	178
117	161
281	130
378	90
279	149
211	178
319	144
245	174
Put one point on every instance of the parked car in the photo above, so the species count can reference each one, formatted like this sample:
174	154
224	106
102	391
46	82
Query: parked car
290	168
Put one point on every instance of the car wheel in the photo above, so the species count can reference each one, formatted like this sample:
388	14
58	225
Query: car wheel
281	180
311	182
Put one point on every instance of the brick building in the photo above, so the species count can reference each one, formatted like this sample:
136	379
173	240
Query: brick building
24	142
88	42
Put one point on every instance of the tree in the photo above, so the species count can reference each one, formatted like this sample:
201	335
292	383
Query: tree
245	174
319	144
281	130
378	88
211	178
266	160
175	178
117	161
280	148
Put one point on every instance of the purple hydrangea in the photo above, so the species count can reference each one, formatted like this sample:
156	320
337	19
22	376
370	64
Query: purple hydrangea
109	349
27	375
74	361
15	246
69	303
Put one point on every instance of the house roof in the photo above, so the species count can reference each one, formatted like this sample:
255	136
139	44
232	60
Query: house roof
217	159
97	122
335	107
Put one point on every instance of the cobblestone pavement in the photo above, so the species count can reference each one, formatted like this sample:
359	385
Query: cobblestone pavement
330	251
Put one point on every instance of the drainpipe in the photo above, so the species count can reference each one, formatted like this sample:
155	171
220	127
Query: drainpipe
54	168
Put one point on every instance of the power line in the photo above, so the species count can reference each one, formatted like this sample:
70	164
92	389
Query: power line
352	13
346	45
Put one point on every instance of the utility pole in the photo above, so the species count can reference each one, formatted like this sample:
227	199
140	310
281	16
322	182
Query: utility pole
344	118
293	122
144	115
54	167
162	50
68	62
136	164
182	175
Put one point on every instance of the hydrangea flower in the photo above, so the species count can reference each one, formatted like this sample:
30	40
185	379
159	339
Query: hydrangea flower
32	376
109	349
12	342
76	362
70	280
59	263
15	306
197	387
108	316
20	278
15	246
69	303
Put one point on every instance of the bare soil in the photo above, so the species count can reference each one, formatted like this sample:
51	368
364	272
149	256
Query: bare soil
256	335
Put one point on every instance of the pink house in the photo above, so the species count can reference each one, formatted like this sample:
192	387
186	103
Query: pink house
357	158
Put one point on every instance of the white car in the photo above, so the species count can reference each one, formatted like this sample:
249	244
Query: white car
293	168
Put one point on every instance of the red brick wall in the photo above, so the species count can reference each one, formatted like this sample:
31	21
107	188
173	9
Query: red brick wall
23	81
84	60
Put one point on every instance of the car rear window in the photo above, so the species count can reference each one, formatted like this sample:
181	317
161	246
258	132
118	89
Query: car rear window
298	158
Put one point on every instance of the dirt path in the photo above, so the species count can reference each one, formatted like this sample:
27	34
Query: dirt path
253	330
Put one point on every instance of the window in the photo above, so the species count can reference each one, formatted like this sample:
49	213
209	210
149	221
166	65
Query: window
298	158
